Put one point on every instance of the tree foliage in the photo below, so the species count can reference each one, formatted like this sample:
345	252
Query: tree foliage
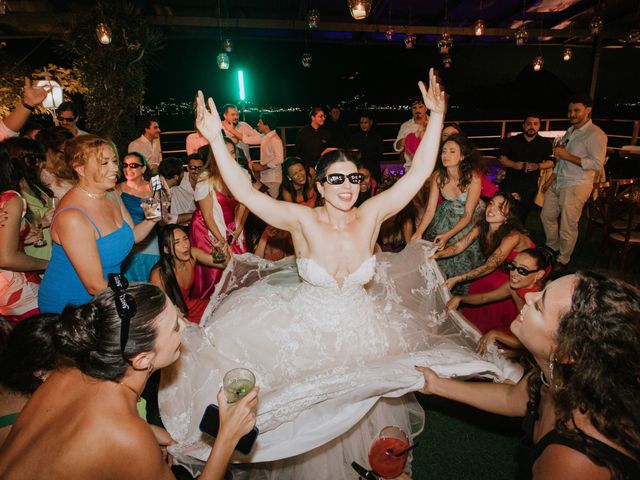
113	74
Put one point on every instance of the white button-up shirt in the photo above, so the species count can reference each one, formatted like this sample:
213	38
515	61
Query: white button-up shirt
589	143
182	197
271	155
151	150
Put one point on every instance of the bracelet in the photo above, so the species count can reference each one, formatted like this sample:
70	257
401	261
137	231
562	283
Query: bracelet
28	107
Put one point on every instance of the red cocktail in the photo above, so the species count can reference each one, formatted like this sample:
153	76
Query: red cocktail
383	451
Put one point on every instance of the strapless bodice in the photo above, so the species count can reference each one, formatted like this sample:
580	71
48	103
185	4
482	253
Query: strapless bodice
313	273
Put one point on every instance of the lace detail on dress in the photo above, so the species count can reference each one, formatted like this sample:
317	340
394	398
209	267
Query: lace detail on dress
315	274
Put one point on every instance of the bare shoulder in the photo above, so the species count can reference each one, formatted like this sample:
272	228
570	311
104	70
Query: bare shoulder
560	461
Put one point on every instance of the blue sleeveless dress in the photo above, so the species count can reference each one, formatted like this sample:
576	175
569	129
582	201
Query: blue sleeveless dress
61	285
145	254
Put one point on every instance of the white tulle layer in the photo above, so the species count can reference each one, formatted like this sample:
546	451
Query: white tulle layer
335	365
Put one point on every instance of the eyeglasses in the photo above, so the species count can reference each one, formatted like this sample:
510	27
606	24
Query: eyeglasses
521	270
66	119
132	165
193	168
339	178
125	306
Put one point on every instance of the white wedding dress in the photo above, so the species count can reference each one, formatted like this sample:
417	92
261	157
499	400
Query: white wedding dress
334	363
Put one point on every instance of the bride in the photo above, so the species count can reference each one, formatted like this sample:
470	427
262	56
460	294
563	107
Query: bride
332	336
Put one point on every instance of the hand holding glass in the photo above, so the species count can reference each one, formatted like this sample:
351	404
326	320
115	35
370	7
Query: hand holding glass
237	383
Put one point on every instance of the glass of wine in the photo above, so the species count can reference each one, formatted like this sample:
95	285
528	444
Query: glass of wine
237	383
388	453
37	225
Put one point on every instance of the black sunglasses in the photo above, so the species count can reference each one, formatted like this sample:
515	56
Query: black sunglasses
66	119
521	270
125	306
339	178
195	168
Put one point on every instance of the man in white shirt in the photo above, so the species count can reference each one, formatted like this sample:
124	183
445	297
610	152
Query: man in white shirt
235	129
148	143
182	195
68	116
179	187
418	112
271	153
580	156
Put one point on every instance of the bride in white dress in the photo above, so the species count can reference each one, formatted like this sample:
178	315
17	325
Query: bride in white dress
333	336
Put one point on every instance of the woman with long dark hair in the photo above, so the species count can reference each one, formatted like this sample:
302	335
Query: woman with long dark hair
297	183
500	237
174	272
453	204
580	400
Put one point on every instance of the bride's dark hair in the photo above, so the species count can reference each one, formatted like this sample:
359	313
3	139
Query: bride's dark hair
328	159
89	334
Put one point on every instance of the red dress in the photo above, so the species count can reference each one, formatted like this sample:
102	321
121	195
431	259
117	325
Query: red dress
195	306
495	315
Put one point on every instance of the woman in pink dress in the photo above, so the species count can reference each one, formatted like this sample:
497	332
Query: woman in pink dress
218	221
501	237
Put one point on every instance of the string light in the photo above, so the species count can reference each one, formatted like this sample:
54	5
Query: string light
409	40
389	34
306	60
538	62
227	45
103	32
313	19
567	53
596	25
445	43
522	35
360	9
223	61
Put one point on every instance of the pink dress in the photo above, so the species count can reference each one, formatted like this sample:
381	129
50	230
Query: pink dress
496	315
206	278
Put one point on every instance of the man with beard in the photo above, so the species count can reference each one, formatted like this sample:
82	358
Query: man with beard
419	115
312	139
523	156
235	129
580	155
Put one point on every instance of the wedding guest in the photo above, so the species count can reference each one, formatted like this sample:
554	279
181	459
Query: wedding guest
56	174
418	116
182	195
25	362
500	236
68	116
175	271
148	143
31	98
86	411
580	399
18	271
217	223
370	144
297	183
172	174
92	232
527	273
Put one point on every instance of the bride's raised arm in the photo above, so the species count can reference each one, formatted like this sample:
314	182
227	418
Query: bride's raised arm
283	215
393	200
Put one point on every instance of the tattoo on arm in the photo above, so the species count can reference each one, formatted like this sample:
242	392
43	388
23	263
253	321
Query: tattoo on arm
493	262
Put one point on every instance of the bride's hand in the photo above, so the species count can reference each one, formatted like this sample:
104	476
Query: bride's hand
434	99
207	119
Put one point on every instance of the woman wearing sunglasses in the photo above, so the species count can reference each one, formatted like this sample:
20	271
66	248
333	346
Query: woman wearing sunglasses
527	272
86	411
500	236
579	399
326	350
133	191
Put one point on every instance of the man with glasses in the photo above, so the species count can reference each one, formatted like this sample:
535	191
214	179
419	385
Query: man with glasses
148	143
68	116
182	195
312	139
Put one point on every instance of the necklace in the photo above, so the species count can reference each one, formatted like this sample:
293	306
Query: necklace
95	196
132	389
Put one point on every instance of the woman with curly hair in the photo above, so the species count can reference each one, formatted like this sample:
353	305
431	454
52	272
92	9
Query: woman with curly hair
500	236
454	201
580	401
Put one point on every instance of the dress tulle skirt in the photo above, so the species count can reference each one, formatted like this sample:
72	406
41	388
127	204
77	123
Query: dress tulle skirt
335	363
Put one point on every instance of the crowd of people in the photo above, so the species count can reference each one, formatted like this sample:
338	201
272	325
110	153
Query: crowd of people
95	291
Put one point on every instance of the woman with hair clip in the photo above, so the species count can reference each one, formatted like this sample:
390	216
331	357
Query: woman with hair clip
580	399
218	222
453	204
86	410
92	231
527	273
332	334
174	272
133	191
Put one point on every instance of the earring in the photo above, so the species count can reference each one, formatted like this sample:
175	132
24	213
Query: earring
552	361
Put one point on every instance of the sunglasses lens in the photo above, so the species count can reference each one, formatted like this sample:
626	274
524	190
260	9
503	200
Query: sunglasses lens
356	178
335	179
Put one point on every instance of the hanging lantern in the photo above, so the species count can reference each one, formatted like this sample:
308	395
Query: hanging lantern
595	25
313	18
522	35
4	6
634	37
389	34
360	9
227	45
538	62
478	28
306	60
54	98
223	61
447	61
103	32
567	53
445	43
409	40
